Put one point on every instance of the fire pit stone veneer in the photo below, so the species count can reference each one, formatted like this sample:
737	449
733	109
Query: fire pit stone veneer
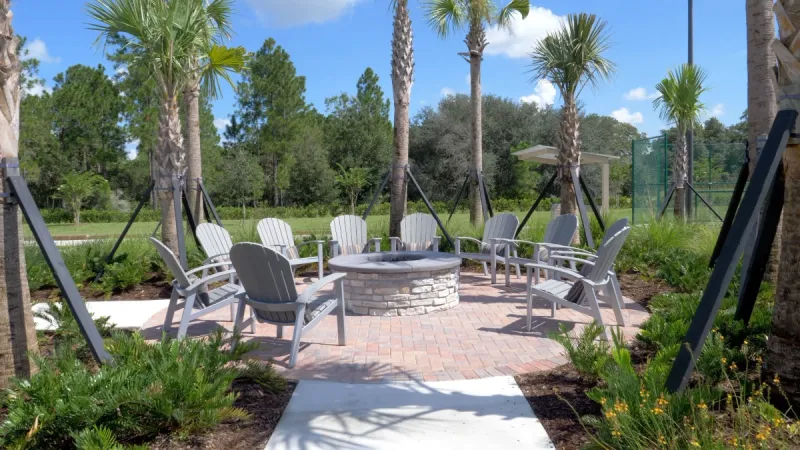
399	283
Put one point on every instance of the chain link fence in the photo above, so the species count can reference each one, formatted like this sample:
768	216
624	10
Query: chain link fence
716	167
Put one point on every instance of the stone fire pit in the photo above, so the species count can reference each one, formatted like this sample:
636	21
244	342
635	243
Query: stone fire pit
399	283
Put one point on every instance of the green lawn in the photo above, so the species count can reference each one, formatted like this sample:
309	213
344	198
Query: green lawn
317	225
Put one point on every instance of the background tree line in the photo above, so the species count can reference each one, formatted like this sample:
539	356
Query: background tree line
279	150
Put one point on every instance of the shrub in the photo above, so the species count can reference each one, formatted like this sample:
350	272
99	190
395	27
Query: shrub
585	352
180	387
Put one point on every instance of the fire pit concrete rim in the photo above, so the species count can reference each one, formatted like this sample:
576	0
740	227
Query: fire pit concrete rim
394	262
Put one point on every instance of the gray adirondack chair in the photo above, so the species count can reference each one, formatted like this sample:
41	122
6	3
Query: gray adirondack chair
277	235
194	290
577	291
216	242
501	226
417	233
269	290
557	235
349	235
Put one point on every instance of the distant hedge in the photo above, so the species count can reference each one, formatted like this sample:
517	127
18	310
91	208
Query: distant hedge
235	213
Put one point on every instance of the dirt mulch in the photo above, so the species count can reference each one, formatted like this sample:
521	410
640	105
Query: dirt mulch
265	409
641	290
543	389
149	290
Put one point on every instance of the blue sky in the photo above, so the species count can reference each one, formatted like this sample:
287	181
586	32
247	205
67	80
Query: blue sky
332	41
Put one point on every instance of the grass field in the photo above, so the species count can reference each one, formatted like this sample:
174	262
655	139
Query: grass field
318	226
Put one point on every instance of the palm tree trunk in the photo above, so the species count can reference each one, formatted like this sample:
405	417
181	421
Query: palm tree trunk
171	164
17	332
194	159
569	154
679	171
476	43
402	79
783	346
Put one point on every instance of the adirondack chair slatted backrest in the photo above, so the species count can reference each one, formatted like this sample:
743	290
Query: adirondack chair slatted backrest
611	231
559	231
606	255
276	232
417	231
502	226
266	276
215	240
351	234
172	262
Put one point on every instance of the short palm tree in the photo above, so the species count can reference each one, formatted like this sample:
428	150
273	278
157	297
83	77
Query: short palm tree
572	58
680	104
447	16
402	78
172	39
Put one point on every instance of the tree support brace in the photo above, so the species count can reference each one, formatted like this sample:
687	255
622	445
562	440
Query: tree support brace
483	191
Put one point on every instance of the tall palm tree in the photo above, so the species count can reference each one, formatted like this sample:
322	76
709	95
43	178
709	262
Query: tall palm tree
219	29
402	79
572	58
171	38
680	104
783	351
17	332
447	16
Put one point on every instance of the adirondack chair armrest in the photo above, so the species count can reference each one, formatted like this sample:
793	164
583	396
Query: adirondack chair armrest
309	293
376	242
565	248
468	239
435	243
393	242
207	267
219	276
567	273
559	257
211	259
315	242
575	254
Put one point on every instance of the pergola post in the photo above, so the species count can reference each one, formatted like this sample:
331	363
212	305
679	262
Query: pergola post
606	175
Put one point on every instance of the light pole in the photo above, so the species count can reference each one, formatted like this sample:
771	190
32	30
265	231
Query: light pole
690	132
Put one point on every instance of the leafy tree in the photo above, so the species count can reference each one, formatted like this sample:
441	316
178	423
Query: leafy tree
87	108
571	58
447	16
272	102
680	103
358	130
352	181
312	180
241	180
76	188
40	158
167	37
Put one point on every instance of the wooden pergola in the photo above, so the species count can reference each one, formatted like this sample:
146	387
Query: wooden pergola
549	155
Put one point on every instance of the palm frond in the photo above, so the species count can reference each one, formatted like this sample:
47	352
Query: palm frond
506	14
218	63
679	99
446	16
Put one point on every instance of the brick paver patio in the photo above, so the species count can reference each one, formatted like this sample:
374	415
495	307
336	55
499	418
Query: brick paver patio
482	337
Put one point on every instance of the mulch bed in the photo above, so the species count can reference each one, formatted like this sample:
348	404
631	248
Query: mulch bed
640	289
150	290
265	409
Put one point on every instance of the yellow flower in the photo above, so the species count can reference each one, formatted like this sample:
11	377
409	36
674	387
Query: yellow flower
702	405
621	406
661	439
745	342
657	411
721	337
616	433
733	366
603	401
695	443
724	360
662	401
610	414
776	380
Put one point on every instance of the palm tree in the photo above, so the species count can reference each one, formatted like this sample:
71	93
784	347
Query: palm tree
447	16
402	78
680	104
171	38
571	58
783	352
219	13
17	332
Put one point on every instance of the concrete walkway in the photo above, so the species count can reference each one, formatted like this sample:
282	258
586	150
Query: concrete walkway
128	314
488	413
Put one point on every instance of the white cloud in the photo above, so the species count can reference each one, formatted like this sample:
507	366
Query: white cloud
131	148
640	93
544	94
518	42
623	115
446	92
38	89
221	123
299	12
37	49
718	110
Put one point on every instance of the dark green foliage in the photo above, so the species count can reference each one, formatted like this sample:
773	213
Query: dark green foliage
585	351
172	386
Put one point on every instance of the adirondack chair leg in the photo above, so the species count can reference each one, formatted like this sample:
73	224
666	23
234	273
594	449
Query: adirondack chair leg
595	306
536	261
616	300
252	321
188	307
280	332
298	333
320	265
485	269
233	312
508	265
493	248
529	297
173	305
516	255
341	330
435	244
237	325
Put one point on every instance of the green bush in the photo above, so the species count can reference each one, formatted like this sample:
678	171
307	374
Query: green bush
178	387
585	352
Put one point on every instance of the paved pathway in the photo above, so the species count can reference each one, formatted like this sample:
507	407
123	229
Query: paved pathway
129	314
482	337
478	414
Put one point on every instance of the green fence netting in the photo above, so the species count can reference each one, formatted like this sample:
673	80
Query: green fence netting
716	167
